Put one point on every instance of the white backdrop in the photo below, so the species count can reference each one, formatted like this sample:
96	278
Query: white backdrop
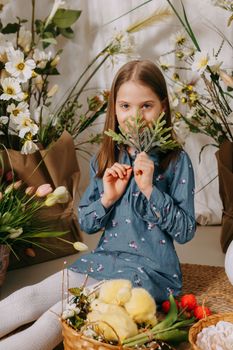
92	34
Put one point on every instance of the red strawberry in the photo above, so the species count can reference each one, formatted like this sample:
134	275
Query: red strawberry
200	312
166	306
188	301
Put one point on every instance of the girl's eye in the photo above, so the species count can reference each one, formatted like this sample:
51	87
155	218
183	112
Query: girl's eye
124	106
146	106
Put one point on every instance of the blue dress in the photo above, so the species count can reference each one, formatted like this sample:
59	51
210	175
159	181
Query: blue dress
138	234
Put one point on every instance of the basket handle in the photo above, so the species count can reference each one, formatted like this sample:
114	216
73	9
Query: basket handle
96	322
215	294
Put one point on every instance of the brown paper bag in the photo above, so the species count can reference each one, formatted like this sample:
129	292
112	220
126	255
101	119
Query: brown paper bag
225	170
57	166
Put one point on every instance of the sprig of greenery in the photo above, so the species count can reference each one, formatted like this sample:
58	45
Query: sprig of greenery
144	137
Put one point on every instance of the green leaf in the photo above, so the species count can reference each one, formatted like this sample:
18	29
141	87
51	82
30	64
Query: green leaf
11	28
48	234
65	18
50	41
67	33
75	291
39	26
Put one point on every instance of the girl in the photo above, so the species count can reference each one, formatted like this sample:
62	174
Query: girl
142	202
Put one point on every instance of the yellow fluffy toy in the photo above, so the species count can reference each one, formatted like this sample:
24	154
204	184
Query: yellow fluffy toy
117	318
122	307
141	307
115	291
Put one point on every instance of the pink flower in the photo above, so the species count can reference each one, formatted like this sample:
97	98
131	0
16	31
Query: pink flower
14	185
30	190
44	190
17	184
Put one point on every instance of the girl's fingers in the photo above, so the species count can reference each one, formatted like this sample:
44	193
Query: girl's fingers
110	172
118	170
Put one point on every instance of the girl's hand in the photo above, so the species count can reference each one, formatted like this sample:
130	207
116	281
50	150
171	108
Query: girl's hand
115	180
143	173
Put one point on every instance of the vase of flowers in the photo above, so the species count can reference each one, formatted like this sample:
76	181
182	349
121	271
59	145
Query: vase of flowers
20	223
202	101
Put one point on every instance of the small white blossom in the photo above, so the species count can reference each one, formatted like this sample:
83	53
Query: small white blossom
29	147
67	314
25	38
74	307
41	57
18	67
202	60
11	89
179	38
15	233
164	64
4	120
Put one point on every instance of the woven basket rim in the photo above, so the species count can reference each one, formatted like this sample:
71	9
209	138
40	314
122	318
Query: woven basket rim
206	322
67	328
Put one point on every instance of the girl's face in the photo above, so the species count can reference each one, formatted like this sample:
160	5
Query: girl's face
133	98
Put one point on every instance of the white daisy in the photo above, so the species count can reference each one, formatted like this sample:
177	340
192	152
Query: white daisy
29	147
18	67
179	38
26	125
41	57
11	89
164	64
15	111
25	38
202	60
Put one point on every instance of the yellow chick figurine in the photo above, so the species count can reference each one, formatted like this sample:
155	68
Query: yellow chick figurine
141	307
118	323
115	291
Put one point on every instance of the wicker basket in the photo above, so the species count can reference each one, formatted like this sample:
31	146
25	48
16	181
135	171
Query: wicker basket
209	321
73	340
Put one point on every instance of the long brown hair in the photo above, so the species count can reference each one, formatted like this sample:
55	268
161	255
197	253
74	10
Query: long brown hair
146	73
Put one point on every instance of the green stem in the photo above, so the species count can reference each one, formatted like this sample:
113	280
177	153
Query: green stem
64	240
185	24
32	24
81	76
